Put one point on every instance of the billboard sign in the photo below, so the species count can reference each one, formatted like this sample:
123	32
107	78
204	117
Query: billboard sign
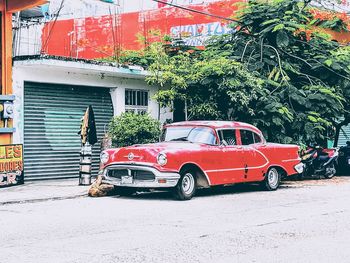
11	165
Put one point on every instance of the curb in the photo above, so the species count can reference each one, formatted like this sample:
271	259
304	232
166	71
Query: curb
38	200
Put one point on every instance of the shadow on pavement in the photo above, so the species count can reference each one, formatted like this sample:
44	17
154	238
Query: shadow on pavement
291	183
213	191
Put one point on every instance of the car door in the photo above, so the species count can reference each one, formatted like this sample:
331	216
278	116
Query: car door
229	165
255	160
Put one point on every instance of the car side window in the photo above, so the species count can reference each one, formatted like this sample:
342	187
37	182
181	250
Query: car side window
257	138
247	137
229	136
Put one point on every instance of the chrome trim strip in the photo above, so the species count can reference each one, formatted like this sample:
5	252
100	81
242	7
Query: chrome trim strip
291	160
267	160
136	166
142	184
206	175
143	164
243	168
236	169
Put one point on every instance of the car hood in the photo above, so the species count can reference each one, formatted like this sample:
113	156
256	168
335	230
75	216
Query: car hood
149	152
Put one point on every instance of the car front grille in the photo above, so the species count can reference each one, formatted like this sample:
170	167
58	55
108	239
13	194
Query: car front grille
141	175
118	173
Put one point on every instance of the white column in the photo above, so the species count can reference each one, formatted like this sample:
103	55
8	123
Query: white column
118	100
18	91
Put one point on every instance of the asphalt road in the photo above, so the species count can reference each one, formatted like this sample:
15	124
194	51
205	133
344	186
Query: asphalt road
301	222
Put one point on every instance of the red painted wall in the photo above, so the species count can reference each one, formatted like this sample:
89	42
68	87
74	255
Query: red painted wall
93	37
96	37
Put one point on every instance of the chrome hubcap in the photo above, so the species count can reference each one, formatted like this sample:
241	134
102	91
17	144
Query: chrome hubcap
188	183
272	178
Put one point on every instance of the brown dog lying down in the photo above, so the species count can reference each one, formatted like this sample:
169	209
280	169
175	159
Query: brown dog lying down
98	189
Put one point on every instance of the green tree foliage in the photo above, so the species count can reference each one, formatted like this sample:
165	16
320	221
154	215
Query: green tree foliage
129	128
304	65
276	70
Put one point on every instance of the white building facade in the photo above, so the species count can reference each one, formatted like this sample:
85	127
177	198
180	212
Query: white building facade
51	98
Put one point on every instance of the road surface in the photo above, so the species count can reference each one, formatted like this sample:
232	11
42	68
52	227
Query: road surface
305	221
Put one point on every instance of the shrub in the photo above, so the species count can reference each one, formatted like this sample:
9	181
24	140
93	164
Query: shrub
129	128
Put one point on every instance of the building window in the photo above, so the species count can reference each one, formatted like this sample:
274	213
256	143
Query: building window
136	101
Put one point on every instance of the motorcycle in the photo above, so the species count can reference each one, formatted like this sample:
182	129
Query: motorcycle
319	162
344	159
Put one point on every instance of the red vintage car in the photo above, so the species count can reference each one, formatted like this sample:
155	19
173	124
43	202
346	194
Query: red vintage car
200	154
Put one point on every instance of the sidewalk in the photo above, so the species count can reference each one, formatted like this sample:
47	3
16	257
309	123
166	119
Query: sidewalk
38	191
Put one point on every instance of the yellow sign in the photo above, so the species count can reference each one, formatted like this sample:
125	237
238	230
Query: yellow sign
11	164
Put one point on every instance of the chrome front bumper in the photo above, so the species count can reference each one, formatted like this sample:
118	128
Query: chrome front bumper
159	180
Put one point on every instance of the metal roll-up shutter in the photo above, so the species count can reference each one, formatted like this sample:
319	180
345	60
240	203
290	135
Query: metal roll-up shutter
344	135
52	119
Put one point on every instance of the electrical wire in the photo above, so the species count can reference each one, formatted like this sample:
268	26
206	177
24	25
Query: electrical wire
195	11
53	25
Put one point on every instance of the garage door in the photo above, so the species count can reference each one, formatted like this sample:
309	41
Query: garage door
52	118
344	135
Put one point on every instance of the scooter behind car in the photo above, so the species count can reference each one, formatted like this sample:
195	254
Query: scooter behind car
319	162
344	159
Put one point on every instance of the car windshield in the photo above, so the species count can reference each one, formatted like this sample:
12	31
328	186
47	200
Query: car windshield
192	134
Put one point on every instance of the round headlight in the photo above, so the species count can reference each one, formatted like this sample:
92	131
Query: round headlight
104	157
162	159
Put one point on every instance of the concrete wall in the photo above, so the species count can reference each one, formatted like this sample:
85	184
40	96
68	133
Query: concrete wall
81	8
27	40
91	75
142	5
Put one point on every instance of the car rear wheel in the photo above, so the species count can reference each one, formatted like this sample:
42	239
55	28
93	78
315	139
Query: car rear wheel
186	187
272	180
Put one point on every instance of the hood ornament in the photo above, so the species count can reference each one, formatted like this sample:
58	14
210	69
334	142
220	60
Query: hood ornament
131	156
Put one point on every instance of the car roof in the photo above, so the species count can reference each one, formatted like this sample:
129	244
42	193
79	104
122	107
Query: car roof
216	124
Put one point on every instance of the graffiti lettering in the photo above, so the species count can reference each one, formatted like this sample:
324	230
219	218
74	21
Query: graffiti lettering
197	34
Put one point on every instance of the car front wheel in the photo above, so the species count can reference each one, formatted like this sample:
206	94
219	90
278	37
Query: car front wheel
272	180
186	187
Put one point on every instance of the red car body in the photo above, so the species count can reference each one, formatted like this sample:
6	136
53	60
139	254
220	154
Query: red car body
233	152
